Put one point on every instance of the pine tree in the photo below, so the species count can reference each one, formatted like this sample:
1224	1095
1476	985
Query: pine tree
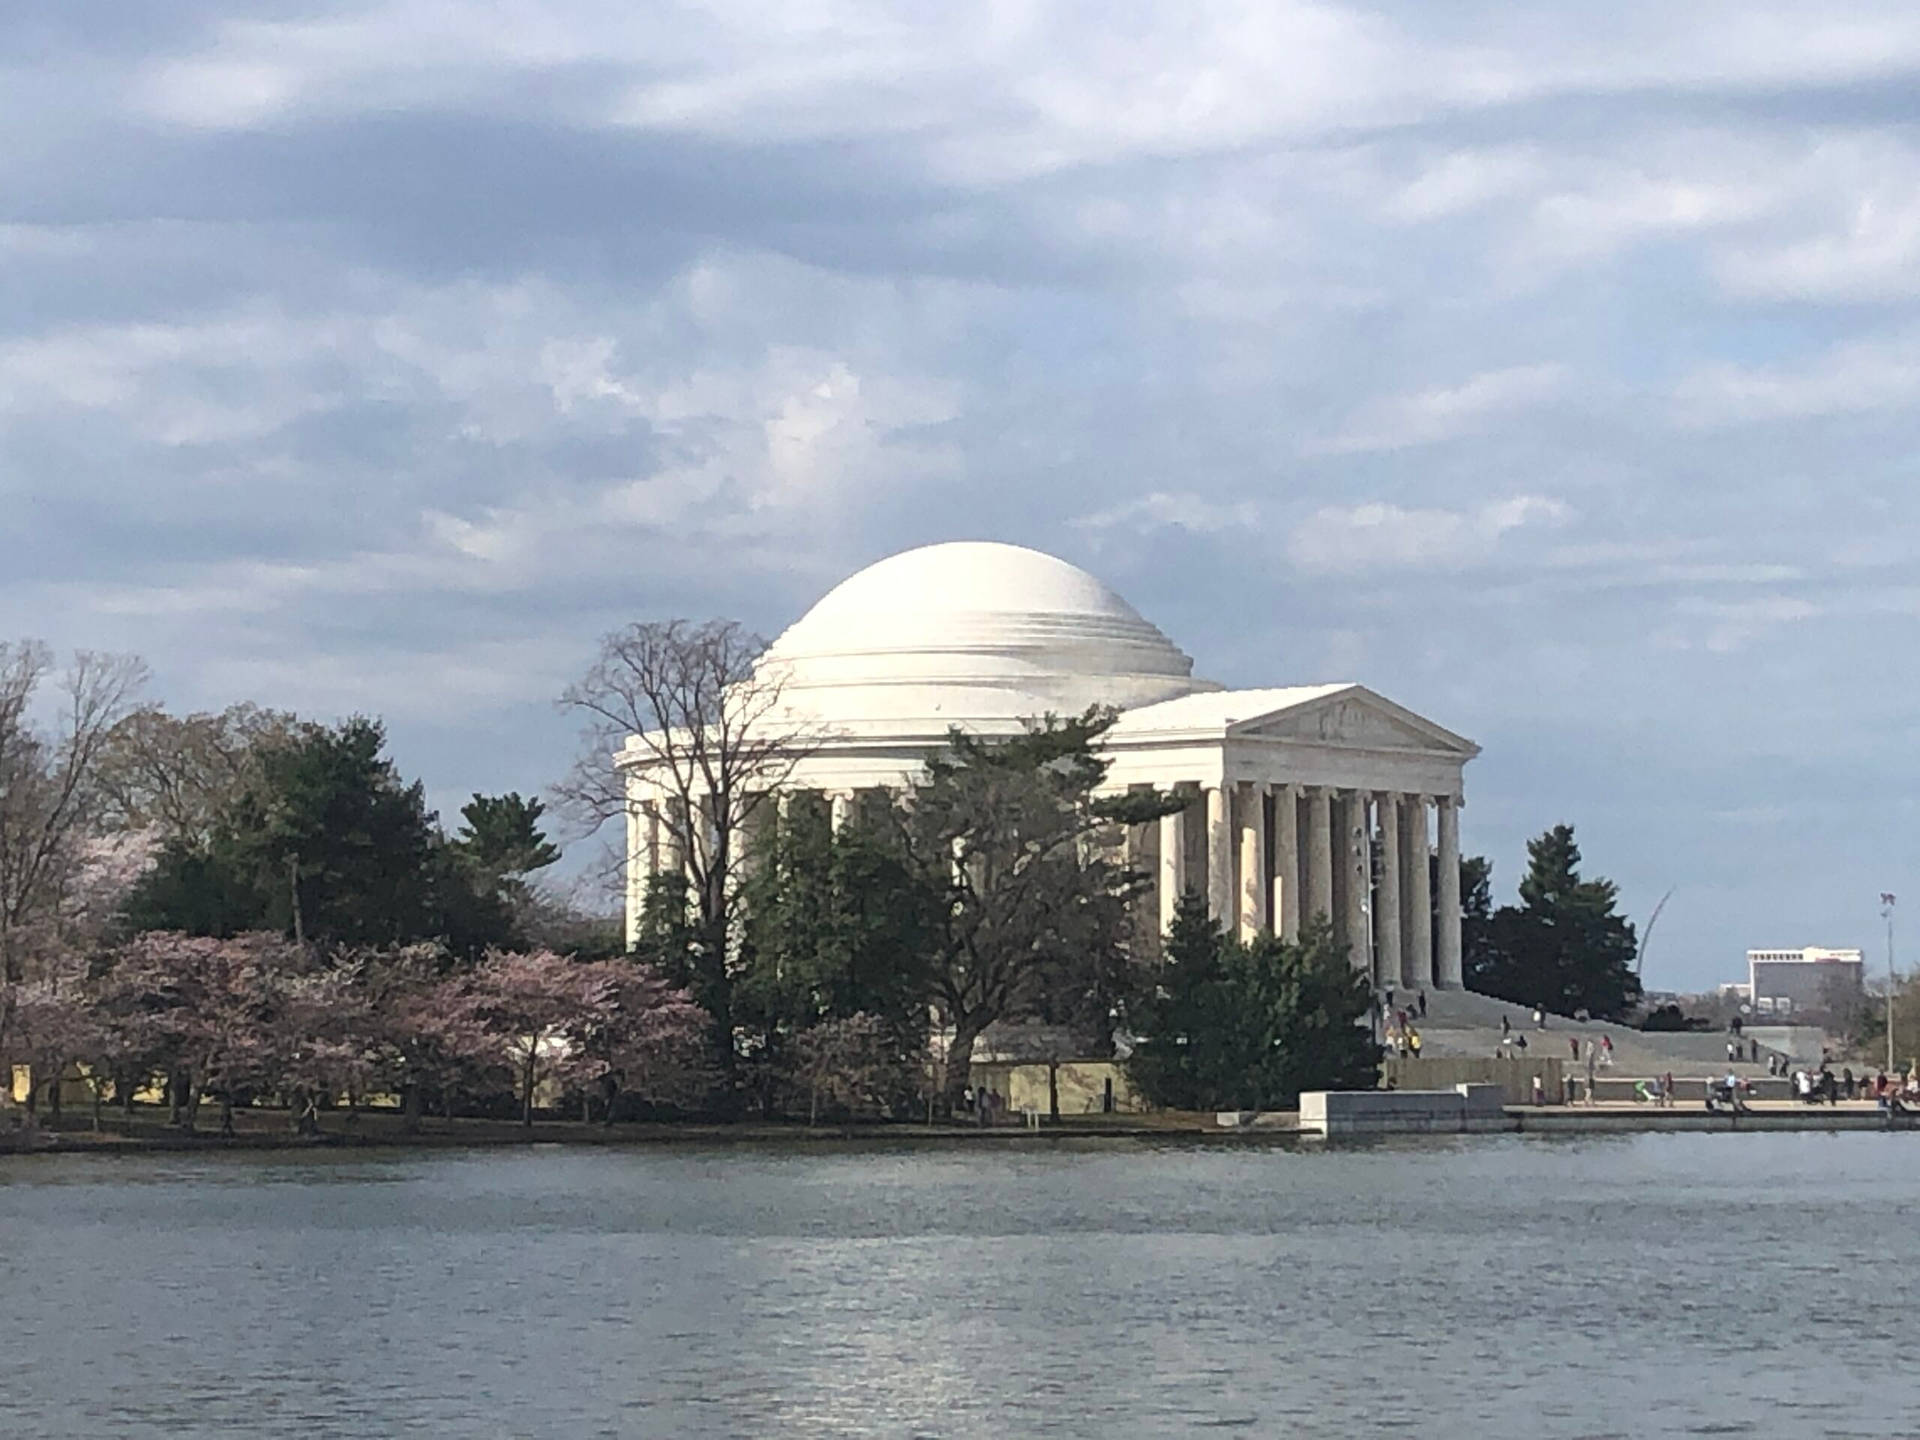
1563	948
1249	1026
326	842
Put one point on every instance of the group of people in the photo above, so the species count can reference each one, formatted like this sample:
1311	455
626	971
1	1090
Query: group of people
1401	1035
1658	1092
1823	1087
983	1104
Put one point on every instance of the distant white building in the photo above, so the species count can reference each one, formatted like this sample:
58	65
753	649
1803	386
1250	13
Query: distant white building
1808	980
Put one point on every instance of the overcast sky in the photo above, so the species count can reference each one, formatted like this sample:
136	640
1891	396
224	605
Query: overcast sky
1551	369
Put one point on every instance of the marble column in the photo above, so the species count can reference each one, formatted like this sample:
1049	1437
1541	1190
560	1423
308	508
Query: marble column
842	801
1286	861
1254	885
1447	963
641	863
1319	854
1417	966
1388	921
674	823
1173	865
1357	857
1220	855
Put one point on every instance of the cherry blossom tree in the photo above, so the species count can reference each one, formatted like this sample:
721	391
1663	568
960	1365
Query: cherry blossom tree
54	1024
649	1043
539	1007
206	1009
318	1040
854	1062
423	1024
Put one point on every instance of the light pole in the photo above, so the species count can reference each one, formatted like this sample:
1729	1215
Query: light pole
1886	910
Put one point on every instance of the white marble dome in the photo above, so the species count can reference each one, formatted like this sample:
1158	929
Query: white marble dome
976	634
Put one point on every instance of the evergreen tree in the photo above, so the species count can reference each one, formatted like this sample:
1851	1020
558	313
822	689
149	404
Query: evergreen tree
1476	917
1012	838
1249	1026
1563	948
1184	1058
837	926
326	842
502	836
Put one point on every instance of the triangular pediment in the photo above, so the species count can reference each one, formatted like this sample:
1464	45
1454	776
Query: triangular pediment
1358	718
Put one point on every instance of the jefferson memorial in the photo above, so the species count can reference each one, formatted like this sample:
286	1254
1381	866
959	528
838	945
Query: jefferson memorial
1306	800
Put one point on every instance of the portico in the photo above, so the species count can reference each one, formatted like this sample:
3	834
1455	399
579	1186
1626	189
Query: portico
1317	802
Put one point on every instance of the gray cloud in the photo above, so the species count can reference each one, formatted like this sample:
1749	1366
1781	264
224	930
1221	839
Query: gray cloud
1550	369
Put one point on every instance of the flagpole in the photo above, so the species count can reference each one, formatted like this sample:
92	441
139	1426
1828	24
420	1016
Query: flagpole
1886	909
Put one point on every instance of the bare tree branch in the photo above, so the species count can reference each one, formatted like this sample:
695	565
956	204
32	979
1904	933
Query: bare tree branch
692	713
50	797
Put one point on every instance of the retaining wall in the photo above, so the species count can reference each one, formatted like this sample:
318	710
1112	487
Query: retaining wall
1389	1112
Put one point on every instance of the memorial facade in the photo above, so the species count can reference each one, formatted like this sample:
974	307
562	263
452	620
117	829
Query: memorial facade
1305	800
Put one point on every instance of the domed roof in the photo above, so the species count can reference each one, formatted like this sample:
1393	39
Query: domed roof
973	633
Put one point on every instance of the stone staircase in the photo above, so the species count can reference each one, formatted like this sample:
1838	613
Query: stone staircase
1461	1024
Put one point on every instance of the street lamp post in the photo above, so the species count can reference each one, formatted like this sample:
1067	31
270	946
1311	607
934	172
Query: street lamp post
1886	910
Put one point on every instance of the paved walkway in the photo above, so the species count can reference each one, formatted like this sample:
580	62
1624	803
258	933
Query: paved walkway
1460	1024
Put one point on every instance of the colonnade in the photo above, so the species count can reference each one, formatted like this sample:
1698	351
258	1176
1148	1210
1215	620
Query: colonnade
660	829
1382	866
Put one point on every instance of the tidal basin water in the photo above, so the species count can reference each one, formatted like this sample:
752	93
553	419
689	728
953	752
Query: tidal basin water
1632	1286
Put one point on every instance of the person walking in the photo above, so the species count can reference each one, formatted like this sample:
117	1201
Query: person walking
1413	1043
1593	1064
1423	1004
1506	1027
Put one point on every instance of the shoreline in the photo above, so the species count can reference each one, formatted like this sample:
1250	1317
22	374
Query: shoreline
376	1131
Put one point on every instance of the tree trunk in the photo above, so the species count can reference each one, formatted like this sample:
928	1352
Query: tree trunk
526	1090
226	1112
190	1113
410	1108
53	1093
123	1087
1053	1089
99	1104
966	1030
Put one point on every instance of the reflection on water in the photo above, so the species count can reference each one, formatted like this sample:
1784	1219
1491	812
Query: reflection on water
1653	1285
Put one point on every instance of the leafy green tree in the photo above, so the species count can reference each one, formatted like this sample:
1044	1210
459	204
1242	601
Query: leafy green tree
1012	837
1249	1026
1563	948
838	926
502	836
1476	913
327	843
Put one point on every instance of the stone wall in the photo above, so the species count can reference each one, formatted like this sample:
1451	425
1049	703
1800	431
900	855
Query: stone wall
1515	1077
1083	1087
1389	1112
